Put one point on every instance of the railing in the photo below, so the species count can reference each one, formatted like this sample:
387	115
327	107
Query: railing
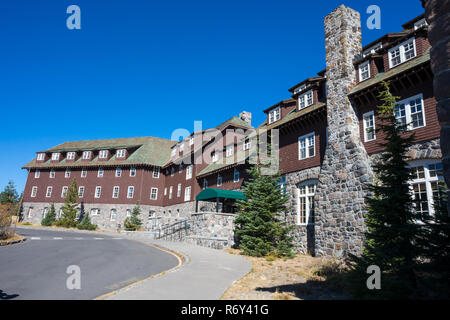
175	231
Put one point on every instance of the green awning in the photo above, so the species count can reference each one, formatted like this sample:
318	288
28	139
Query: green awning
212	193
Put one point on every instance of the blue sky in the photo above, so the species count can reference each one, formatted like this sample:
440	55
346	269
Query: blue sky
145	68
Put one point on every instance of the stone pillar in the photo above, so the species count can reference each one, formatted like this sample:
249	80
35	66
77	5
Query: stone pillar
339	202
437	14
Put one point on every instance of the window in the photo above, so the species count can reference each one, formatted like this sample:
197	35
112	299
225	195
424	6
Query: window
37	174
95	212
282	183
305	100
64	191
83	173
306	146
80	192
170	192
98	192
274	115
130	192
44	212
230	150
410	112
34	192
402	53
55	156
113	215
187	194
214	156
115	192
179	190
128	213
364	71
133	172
118	172
247	143
305	203
155	172
236	176
87	155
189	172
60	213
425	186
205	183
48	194
419	24
172	171
70	155
120	153
180	169
41	156
100	172
67	173
103	154
30	212
165	191
369	126
154	194
219	179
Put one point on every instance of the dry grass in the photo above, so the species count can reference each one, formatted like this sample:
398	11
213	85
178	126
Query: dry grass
303	277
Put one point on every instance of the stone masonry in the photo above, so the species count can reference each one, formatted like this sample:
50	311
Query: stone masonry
339	202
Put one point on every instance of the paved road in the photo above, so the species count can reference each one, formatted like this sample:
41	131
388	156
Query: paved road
36	269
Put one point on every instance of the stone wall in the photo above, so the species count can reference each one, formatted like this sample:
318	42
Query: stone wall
210	229
339	201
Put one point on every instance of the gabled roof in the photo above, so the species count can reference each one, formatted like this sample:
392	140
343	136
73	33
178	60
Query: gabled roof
287	101
411	22
149	151
239	157
310	80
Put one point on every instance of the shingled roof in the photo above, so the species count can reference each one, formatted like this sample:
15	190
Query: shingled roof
147	151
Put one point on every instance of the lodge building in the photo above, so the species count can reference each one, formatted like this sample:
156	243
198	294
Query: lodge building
327	145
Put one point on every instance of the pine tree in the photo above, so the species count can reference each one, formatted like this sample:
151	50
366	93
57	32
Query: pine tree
86	224
259	226
50	217
133	223
9	194
391	221
69	209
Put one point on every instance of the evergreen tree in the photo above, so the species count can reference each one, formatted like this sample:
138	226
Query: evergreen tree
86	224
50	217
9	194
69	209
391	221
133	223
259	226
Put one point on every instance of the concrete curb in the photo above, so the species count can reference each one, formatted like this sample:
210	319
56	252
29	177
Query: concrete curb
9	242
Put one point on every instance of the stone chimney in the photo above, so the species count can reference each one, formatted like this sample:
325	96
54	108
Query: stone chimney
339	202
246	116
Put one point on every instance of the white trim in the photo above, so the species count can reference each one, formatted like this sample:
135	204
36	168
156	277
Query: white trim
189	172
121	153
365	128
401	52
98	192
40	156
421	23
64	191
179	190
303	99
307	200
187	193
87	155
48	193
307	143
155	194
132	172
156	172
130	193
274	115
113	214
100	173
81	191
360	67
67	173
116	190
37	174
118	170
70	155
408	117
238	174
34	191
55	156
83	173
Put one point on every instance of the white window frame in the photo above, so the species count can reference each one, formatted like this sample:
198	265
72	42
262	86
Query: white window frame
40	156
154	194
421	23
30	212
48	193
81	191
98	192
83	173
237	174
130	192
187	193
34	191
406	102
70	155
170	192
116	190
219	180
64	191
132	172
189	172
100	173
401	48
121	153
361	68
165	191
103	154
308	200
55	156
307	139
87	155
366	118
179	190
95	211
113	215
44	212
274	115
67	173
128	213
118	172
214	156
230	150
303	99
37	174
156	172
247	144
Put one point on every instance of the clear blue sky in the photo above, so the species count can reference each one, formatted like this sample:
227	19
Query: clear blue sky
145	68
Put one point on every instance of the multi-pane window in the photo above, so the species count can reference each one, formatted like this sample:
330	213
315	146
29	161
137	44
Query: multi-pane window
410	112
219	179
247	143
41	156
118	172
83	173
132	172
205	183
70	155
130	192
170	192
100	172
305	195
274	115
116	192
156	172
154	194
369	126
34	191
305	100
401	53
236	175
98	192
187	194
189	172
37	174
364	71
103	154
95	212
425	186
80	192
48	194
230	150
55	156
179	190
87	155
64	191
67	173
120	153
306	146
113	215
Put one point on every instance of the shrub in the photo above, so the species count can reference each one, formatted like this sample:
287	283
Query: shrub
50	217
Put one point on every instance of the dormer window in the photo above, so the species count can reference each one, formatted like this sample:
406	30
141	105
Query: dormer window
87	155
274	115
230	150
246	144
41	156
299	89
419	24
120	153
305	100
103	154
55	156
70	155
402	53
364	71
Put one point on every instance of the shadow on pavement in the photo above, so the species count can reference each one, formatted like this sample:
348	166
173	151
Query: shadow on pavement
5	296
